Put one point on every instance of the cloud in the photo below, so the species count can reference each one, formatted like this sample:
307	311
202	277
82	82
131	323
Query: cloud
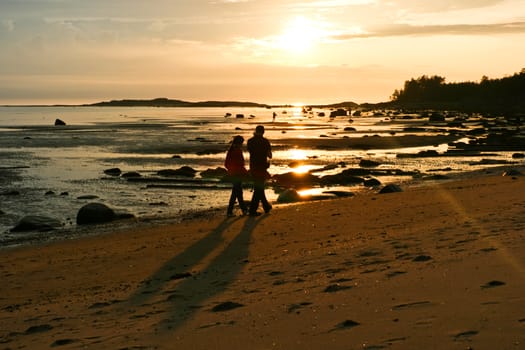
455	29
8	25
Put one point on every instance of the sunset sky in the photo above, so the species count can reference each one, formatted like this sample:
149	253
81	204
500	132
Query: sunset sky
268	51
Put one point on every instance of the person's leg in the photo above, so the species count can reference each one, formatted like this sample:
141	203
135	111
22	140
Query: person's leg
265	204
254	205
231	203
240	198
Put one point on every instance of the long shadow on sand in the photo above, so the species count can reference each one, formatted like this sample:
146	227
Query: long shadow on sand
184	293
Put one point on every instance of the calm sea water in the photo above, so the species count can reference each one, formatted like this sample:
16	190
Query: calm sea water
52	168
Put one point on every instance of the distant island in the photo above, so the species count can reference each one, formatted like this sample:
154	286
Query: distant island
505	95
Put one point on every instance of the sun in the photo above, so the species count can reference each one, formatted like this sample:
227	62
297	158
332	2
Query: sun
299	35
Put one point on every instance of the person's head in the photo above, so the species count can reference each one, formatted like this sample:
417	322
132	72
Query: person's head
259	130
237	140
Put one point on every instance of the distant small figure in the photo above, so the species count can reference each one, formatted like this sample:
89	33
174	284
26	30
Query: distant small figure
234	163
260	151
273	117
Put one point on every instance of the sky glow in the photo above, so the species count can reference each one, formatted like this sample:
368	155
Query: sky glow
268	51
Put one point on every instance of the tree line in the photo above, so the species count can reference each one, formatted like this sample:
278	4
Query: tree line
505	95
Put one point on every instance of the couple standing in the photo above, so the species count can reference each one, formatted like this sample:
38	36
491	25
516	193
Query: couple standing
260	151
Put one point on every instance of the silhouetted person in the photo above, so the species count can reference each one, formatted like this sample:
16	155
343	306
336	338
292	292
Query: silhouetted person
260	151
234	163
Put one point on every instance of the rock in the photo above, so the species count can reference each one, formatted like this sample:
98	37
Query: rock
88	196
436	117
371	182
342	178
10	193
36	223
391	189
518	156
2	212
349	128
292	179
366	163
239	116
113	172
59	122
289	196
131	174
95	213
50	193
183	171
176	156
214	173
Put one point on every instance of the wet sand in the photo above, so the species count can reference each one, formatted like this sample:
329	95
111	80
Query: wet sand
434	267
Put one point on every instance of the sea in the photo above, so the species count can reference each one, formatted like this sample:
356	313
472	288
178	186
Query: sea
53	170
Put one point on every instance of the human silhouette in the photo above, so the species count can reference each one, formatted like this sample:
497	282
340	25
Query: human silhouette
260	151
234	163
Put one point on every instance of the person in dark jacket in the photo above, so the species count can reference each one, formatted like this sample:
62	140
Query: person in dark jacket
260	151
234	163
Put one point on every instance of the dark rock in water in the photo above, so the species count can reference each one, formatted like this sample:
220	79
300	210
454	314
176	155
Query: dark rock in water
11	193
95	213
366	163
214	173
289	196
371	182
50	193
349	128
59	122
131	174
391	189
340	193
239	116
436	117
64	193
88	196
183	171
176	156
2	212
36	223
113	172
341	179
518	156
292	179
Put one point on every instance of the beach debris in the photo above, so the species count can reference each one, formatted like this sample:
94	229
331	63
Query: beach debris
391	188
512	172
36	223
289	196
59	122
113	172
226	306
95	213
493	284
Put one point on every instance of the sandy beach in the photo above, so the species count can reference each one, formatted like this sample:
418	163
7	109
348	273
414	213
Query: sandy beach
434	267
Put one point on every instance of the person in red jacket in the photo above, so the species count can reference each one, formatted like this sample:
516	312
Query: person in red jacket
234	163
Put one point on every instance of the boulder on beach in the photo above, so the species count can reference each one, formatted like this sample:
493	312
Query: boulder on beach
391	189
367	163
289	196
371	182
113	171
214	173
36	223
59	122
95	213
